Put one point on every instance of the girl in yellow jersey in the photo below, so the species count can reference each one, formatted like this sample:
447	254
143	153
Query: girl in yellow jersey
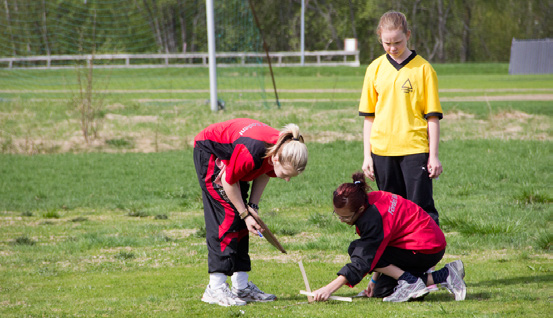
402	111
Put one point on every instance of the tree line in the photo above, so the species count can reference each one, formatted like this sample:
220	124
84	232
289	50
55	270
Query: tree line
442	30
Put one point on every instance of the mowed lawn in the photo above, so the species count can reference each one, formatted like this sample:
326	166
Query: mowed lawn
114	227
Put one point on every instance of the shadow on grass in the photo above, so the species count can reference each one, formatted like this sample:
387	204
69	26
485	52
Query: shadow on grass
439	296
445	296
519	280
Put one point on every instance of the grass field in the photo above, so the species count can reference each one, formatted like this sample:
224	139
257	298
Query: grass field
114	228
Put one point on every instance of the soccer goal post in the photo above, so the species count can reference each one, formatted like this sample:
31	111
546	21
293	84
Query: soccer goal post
211	52
236	53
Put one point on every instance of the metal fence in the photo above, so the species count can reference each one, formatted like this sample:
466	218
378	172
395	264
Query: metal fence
224	59
531	57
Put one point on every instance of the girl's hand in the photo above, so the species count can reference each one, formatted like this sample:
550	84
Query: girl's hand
434	167
369	292
251	223
368	167
321	294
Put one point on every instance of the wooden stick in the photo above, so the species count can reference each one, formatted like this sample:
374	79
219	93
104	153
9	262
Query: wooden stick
303	292
309	297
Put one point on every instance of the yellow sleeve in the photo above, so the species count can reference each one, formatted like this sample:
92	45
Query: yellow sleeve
369	96
433	106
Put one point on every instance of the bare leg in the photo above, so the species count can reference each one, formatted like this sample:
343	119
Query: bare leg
396	272
391	270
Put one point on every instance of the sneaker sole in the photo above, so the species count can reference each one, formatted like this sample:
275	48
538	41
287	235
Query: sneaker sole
462	295
419	294
216	302
256	300
413	296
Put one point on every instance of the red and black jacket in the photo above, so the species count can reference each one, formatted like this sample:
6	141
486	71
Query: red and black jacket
390	220
240	144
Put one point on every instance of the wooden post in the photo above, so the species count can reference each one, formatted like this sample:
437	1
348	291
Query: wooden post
309	298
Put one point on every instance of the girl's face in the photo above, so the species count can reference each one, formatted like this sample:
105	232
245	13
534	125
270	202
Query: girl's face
346	215
283	172
395	42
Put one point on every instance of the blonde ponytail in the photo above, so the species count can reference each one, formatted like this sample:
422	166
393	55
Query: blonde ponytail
290	148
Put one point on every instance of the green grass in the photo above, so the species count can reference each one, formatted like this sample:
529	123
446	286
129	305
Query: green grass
162	109
96	259
108	229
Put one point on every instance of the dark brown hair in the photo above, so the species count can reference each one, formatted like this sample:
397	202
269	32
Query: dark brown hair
352	195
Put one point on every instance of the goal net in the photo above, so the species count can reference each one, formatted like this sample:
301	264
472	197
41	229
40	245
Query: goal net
48	39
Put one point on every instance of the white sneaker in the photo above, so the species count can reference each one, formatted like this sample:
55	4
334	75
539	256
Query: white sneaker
459	267
454	282
221	296
405	291
252	293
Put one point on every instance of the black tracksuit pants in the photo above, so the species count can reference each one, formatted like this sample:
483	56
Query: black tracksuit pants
406	176
410	261
226	234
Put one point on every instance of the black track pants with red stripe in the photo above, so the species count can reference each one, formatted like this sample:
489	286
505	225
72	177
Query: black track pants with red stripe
226	234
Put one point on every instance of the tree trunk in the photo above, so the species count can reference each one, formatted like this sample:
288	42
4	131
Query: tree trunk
9	23
465	45
45	28
414	24
327	15
169	29
195	23
154	25
182	20
442	30
352	19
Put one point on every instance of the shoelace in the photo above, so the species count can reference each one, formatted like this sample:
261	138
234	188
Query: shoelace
254	288
228	293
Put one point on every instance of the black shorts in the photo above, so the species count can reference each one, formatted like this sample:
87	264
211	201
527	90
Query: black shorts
409	261
406	176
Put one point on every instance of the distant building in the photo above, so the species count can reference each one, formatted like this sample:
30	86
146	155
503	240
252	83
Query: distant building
531	57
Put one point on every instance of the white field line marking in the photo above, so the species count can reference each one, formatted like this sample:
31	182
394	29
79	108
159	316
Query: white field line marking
322	91
503	98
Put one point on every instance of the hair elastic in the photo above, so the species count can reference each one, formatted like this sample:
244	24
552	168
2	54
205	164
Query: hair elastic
357	182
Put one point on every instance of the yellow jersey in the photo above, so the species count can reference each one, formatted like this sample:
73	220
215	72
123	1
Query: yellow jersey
400	97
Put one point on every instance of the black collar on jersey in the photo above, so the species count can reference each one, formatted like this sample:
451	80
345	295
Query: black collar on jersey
400	66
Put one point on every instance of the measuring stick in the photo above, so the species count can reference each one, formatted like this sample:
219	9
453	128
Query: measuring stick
309	297
303	292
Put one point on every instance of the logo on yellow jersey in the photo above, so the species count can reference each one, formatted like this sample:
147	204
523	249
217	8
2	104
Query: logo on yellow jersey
407	87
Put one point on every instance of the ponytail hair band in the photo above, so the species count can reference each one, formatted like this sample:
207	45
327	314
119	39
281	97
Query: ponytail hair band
357	182
299	138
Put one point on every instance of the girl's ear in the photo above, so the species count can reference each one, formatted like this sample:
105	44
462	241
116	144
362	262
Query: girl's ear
408	34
